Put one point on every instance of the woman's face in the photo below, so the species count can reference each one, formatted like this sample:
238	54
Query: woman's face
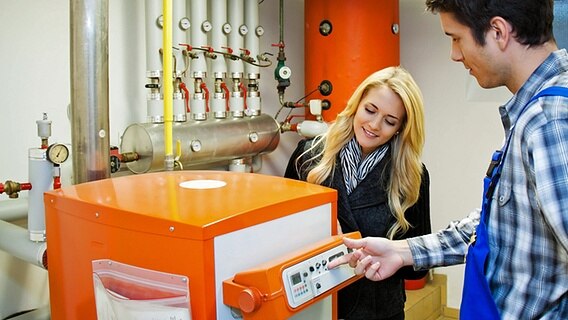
379	116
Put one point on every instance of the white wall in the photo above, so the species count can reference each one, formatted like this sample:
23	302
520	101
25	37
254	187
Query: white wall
462	121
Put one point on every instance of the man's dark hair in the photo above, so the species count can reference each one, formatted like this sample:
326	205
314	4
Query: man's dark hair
531	19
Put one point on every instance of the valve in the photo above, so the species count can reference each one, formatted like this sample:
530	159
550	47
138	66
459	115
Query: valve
114	159
230	54
245	56
129	157
210	53
11	188
282	73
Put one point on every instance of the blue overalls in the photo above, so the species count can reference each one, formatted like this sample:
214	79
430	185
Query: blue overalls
477	301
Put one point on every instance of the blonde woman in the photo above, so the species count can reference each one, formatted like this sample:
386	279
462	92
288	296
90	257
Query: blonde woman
371	156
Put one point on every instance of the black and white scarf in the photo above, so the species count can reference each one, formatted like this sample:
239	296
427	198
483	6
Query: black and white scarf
355	169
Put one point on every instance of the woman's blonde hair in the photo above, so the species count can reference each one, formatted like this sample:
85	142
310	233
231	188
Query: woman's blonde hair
406	147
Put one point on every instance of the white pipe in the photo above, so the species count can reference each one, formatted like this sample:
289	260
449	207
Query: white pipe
14	240
218	37
311	128
235	37
14	209
218	98
199	28
256	164
238	165
153	21
40	172
180	25
252	38
252	43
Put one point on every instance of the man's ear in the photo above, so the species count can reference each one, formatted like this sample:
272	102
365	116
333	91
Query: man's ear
500	31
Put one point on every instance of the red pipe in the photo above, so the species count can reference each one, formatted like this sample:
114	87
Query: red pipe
25	186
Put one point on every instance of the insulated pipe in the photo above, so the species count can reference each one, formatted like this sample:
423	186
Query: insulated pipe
235	37
153	24
89	90
218	38
252	37
180	25
40	172
14	209
252	43
236	43
218	65
199	28
14	240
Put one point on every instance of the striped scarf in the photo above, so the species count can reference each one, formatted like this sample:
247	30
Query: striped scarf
355	170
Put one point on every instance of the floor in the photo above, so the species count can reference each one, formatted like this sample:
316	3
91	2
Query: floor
429	303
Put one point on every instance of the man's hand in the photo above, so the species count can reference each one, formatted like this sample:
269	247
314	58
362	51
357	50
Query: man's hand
376	258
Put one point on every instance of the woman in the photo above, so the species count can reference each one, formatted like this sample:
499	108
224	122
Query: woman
371	156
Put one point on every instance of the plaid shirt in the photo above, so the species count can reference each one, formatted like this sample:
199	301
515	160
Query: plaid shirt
527	267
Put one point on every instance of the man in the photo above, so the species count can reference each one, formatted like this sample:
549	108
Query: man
517	245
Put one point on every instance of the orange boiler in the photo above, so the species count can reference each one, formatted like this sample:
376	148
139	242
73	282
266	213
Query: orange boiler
165	242
344	42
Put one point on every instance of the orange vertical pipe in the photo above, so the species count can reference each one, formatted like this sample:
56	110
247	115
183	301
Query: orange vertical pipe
364	38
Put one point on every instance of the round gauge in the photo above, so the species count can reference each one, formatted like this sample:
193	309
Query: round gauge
184	23
259	31
57	153
160	21
206	26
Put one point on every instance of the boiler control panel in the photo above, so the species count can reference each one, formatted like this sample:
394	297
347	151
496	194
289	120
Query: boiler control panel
310	278
289	285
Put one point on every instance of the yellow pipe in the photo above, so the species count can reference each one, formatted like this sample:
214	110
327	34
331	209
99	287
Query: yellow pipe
168	84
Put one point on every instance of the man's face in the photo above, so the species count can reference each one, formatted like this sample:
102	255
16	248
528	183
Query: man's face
482	62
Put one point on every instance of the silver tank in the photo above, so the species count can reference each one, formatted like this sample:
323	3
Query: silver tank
202	142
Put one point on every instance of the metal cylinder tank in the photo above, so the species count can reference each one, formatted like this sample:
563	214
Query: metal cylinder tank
201	142
345	41
89	90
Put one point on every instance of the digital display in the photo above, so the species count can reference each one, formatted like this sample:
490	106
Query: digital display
296	278
335	256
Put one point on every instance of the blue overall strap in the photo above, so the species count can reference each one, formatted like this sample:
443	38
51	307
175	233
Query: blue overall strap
551	91
477	300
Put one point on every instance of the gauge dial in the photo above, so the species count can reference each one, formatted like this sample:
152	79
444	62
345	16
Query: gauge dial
57	153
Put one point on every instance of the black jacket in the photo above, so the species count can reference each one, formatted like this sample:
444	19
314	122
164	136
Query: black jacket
366	210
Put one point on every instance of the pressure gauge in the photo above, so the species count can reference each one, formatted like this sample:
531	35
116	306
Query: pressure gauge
57	153
160	21
184	23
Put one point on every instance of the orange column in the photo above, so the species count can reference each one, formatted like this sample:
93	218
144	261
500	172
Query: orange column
345	41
